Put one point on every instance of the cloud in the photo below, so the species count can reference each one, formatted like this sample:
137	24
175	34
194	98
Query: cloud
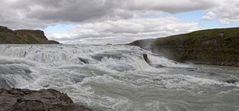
171	6
112	21
124	30
226	11
41	13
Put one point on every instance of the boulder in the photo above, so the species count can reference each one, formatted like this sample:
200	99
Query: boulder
42	100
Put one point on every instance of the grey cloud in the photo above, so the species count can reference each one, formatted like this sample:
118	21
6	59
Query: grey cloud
113	21
72	11
225	12
80	10
171	6
41	13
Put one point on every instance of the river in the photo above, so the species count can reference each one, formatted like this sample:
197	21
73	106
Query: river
117	78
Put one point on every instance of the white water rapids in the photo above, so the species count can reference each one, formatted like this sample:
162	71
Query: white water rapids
117	78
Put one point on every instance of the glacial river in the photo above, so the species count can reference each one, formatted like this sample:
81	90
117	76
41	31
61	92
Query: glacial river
117	78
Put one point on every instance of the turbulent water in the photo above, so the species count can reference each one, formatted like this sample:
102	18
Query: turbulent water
117	78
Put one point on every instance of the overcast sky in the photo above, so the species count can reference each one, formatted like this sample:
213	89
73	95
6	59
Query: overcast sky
117	21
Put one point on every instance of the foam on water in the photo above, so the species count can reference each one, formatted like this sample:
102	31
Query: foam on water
117	78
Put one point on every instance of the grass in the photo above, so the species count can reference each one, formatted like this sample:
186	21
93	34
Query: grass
216	46
8	36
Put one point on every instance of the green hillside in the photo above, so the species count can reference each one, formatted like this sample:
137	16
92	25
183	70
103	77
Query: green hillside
215	46
8	36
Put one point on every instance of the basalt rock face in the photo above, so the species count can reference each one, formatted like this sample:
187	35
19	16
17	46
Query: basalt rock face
42	100
215	47
8	36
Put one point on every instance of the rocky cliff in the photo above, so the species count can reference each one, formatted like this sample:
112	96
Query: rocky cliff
42	100
215	46
8	36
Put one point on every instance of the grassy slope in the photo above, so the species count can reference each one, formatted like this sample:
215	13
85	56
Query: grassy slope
216	46
8	36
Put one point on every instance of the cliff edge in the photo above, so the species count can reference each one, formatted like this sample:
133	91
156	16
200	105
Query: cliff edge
214	46
8	36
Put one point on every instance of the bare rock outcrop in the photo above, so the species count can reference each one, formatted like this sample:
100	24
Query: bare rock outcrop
42	100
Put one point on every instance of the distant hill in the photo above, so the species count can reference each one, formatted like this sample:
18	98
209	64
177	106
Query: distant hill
8	36
214	46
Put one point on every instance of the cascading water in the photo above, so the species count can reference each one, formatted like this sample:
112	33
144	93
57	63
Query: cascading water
117	78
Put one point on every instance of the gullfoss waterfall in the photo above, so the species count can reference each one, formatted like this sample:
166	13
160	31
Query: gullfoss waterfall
118	78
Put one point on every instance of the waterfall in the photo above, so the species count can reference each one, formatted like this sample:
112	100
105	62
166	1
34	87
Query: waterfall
119	77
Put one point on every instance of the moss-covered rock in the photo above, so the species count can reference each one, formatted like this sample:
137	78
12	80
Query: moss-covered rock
8	36
215	46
